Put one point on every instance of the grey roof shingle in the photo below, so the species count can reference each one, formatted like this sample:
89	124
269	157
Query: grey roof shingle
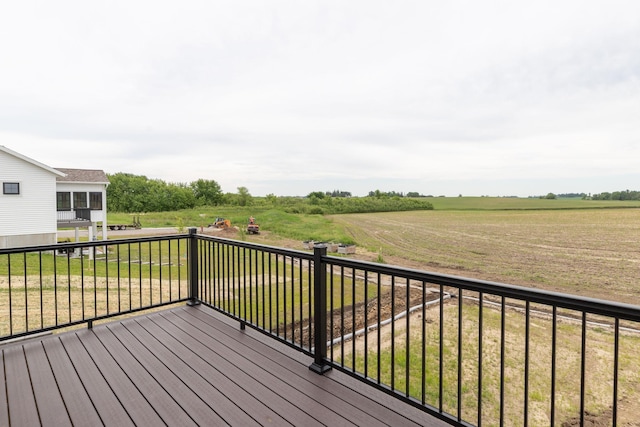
94	176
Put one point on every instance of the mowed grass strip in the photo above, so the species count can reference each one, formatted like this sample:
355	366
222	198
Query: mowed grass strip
31	307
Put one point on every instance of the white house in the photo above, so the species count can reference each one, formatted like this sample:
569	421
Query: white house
37	199
81	200
27	202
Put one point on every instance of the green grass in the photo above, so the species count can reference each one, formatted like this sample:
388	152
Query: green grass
150	258
198	217
287	225
42	290
274	287
424	385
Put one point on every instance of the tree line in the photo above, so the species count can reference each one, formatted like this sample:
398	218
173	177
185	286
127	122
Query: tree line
136	193
617	195
131	193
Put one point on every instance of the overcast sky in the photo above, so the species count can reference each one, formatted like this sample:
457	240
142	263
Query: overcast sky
289	97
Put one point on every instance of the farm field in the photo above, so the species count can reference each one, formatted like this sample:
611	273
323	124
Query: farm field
593	252
583	247
588	252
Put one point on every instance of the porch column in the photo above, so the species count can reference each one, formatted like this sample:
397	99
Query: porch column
192	258
77	251
91	250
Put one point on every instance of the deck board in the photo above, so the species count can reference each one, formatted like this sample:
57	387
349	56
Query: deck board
21	403
263	385
299	377
217	391
79	406
132	399
179	384
179	367
104	399
162	401
4	404
226	379
51	406
356	396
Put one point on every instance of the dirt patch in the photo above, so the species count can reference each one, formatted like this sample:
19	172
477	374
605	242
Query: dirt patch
352	318
591	420
627	416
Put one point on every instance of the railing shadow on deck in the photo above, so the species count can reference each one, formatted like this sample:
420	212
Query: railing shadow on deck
467	351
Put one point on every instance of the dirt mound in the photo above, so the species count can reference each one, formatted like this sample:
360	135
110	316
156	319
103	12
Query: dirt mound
350	319
227	233
627	416
591	420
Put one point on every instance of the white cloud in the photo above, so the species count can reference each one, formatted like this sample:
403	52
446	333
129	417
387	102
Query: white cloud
295	96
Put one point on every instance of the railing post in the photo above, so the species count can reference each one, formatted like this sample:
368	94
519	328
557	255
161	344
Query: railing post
193	267
320	364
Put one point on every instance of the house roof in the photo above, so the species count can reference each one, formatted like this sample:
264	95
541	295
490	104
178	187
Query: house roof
85	176
33	162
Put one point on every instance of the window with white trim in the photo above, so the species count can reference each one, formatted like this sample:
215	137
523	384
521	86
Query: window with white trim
63	201
95	201
79	200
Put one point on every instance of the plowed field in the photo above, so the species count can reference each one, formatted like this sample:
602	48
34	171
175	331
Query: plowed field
593	253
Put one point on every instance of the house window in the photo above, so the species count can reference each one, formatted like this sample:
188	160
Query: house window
63	201
10	188
95	200
79	200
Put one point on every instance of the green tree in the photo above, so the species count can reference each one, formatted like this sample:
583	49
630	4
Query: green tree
136	193
180	196
244	197
126	192
272	199
207	192
316	194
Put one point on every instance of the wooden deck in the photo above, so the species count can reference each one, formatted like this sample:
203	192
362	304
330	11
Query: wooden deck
180	367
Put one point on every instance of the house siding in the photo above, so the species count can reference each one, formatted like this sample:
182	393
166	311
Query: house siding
28	214
96	215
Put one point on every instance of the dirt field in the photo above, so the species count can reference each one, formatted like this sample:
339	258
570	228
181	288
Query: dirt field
594	253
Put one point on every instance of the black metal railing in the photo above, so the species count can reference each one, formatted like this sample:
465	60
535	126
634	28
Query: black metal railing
266	287
43	288
83	213
467	351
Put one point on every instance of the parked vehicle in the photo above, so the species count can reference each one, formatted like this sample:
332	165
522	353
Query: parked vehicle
252	227
136	224
220	223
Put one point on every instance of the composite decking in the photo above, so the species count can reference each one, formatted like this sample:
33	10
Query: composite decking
179	367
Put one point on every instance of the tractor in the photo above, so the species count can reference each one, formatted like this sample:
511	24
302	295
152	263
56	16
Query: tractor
252	227
221	223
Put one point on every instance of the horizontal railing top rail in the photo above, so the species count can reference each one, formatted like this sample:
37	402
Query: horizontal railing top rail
258	247
72	245
589	305
622	311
